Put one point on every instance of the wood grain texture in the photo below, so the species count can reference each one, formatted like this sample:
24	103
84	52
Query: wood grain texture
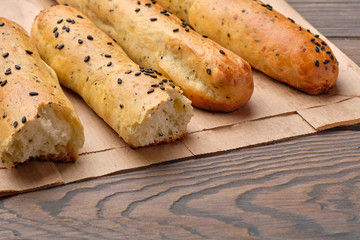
306	188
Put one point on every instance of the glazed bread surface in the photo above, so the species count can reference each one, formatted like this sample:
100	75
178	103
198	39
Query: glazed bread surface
37	121
269	41
212	77
142	106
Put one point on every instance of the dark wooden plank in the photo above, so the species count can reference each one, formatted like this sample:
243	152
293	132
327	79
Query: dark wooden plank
306	188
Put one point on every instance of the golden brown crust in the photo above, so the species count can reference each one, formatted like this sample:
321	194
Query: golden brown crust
93	65
27	84
211	76
269	41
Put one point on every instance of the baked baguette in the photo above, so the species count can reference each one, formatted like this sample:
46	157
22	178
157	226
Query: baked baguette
269	41
37	121
140	105
211	76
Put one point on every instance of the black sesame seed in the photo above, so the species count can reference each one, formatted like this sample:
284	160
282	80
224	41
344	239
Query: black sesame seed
328	52
90	37
107	55
87	58
148	4
109	43
114	40
317	63
153	19
17	67
300	28
151	91
138	2
55	29
222	52
61	46
137	10
138	74
187	29
119	81
79	16
80	41
175	30
291	20
4	115
308	30
164	80
313	39
109	64
204	36
33	94
23	120
2	24
73	21
317	49
5	55
170	80
8	71
183	24
155	85
153	75
3	83
208	71
172	85
29	52
64	27
56	34
68	20
326	61
323	43
128	72
317	44
121	106
60	21
322	48
317	36
162	88
332	57
67	29
15	124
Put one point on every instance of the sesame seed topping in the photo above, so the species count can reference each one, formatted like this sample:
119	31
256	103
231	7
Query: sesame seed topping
109	64
87	58
153	75
29	52
151	91
332	57
222	52
317	49
60	21
17	67
317	63
79	16
15	124
328	52
317	44
322	48
187	29
155	85
107	55
121	106
61	46
4	115
128	72
175	30
137	10
67	29
172	85
162	87
208	71
2	24
138	2
313	39
317	36
80	41
56	34
3	83
204	36
23	120
138	74
153	19
55	29
90	37
33	94
291	20
119	81
5	55
164	80
68	20
109	43
326	61
8	71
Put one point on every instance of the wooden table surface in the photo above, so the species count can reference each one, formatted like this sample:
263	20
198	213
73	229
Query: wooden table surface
307	188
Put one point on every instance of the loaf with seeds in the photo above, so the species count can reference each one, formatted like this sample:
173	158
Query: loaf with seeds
269	41
37	121
211	76
141	105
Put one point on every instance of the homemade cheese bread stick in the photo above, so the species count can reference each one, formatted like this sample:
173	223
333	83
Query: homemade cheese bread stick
37	121
143	107
211	76
269	41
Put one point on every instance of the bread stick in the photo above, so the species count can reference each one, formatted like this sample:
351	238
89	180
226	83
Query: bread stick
269	41
142	106
37	121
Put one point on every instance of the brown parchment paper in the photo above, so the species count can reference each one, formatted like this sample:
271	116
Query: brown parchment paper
275	112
